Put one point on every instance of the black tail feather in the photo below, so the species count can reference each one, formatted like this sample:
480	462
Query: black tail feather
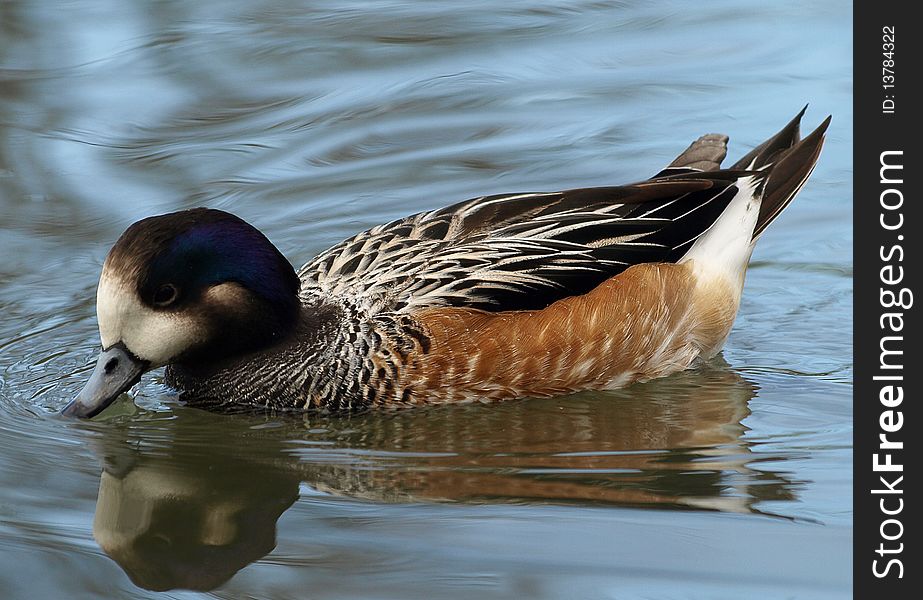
787	163
767	152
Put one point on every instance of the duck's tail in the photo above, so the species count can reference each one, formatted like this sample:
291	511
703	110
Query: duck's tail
786	161
767	179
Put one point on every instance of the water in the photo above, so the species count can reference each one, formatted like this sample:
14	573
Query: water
314	120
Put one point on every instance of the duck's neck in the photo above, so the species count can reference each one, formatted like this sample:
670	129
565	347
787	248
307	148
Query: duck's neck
301	370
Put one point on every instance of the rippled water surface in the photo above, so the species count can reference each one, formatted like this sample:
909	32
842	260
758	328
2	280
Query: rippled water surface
314	120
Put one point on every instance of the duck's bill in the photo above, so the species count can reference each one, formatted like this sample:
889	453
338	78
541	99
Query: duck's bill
116	371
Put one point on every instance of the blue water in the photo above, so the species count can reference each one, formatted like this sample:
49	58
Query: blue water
314	120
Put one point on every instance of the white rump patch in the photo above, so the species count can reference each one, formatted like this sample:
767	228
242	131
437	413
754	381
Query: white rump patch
725	248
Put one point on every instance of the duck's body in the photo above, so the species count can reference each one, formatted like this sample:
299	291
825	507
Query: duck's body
494	298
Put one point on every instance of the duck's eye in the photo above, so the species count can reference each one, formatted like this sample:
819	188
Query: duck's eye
166	295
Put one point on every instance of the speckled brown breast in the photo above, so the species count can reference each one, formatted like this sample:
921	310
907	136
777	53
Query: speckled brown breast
649	321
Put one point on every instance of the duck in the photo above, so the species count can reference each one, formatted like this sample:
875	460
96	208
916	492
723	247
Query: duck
499	297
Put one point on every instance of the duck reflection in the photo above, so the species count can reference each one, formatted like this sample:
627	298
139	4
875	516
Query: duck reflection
189	524
187	502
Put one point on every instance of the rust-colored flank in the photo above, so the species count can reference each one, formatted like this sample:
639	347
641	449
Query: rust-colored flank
649	321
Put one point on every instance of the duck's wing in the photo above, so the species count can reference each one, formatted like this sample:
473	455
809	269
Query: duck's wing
521	251
526	251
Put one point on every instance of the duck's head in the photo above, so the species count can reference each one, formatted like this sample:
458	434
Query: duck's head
192	288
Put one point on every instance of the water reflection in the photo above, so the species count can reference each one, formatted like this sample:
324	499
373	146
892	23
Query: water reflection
189	525
186	502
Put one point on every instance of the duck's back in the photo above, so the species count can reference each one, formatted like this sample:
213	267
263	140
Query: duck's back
520	251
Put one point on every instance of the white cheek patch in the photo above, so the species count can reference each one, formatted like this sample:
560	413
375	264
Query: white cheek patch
151	335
